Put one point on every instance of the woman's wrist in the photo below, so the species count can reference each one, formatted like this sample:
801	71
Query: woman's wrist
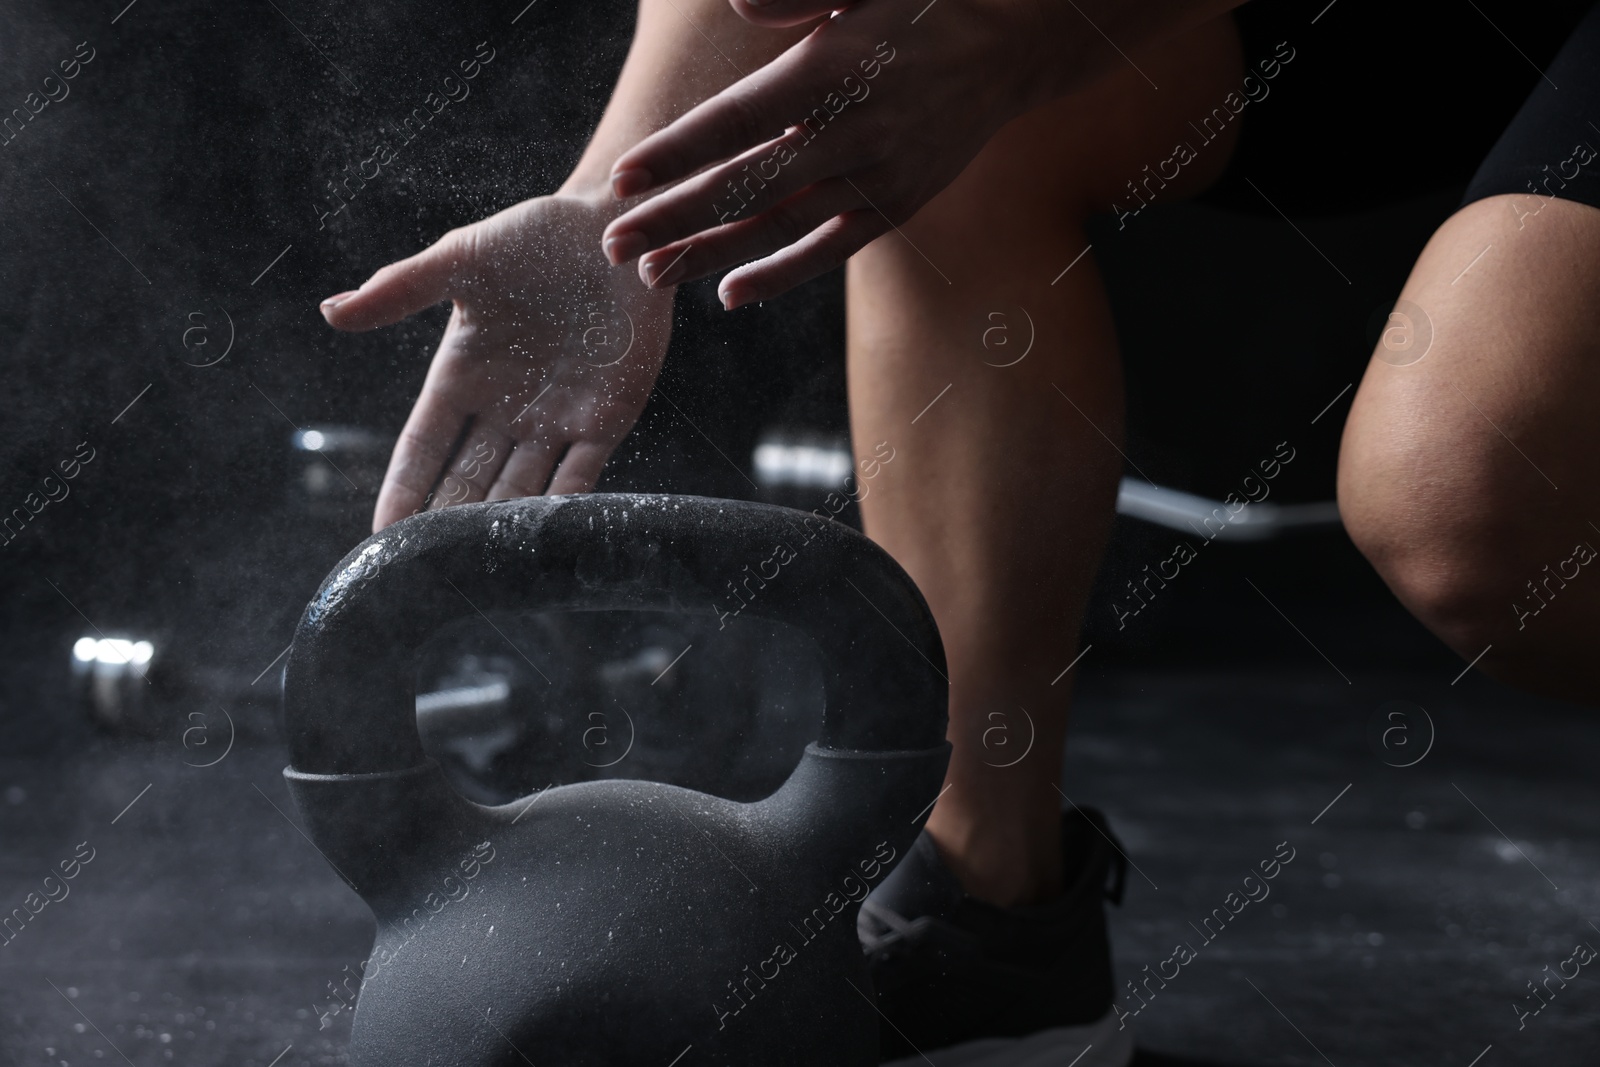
593	189
594	192
592	185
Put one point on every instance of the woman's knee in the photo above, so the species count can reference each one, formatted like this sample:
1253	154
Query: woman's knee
1417	494
1477	405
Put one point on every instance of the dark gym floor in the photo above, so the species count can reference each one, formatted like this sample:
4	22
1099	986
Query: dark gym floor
1418	902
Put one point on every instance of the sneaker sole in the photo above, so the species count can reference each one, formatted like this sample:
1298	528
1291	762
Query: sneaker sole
1097	1044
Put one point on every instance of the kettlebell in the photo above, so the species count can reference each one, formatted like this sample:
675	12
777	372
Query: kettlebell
619	923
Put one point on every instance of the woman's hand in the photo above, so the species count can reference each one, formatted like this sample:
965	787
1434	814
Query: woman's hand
546	363
842	137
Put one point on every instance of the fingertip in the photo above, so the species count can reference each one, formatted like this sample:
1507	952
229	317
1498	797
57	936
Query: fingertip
663	269
623	245
580	469
631	181
392	506
782	14
333	309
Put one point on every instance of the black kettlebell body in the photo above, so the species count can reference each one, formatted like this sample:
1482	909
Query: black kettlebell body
614	922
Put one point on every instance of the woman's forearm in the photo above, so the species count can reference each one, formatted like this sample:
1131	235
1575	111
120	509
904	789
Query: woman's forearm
683	52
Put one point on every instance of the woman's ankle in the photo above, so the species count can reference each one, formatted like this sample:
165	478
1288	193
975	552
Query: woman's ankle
1007	858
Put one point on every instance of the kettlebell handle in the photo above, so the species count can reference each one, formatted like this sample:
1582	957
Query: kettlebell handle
349	699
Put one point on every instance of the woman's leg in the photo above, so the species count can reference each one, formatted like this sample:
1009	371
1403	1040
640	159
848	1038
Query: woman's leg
1468	473
1471	477
1003	480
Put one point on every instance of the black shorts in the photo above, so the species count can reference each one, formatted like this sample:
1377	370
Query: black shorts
1552	147
1386	102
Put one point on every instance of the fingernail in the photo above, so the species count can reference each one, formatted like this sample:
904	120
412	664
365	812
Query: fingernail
654	274
337	299
729	301
624	246
630	182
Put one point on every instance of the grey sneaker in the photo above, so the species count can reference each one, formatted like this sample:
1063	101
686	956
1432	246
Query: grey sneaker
962	983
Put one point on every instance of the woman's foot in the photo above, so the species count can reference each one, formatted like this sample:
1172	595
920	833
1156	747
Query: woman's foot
964	983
